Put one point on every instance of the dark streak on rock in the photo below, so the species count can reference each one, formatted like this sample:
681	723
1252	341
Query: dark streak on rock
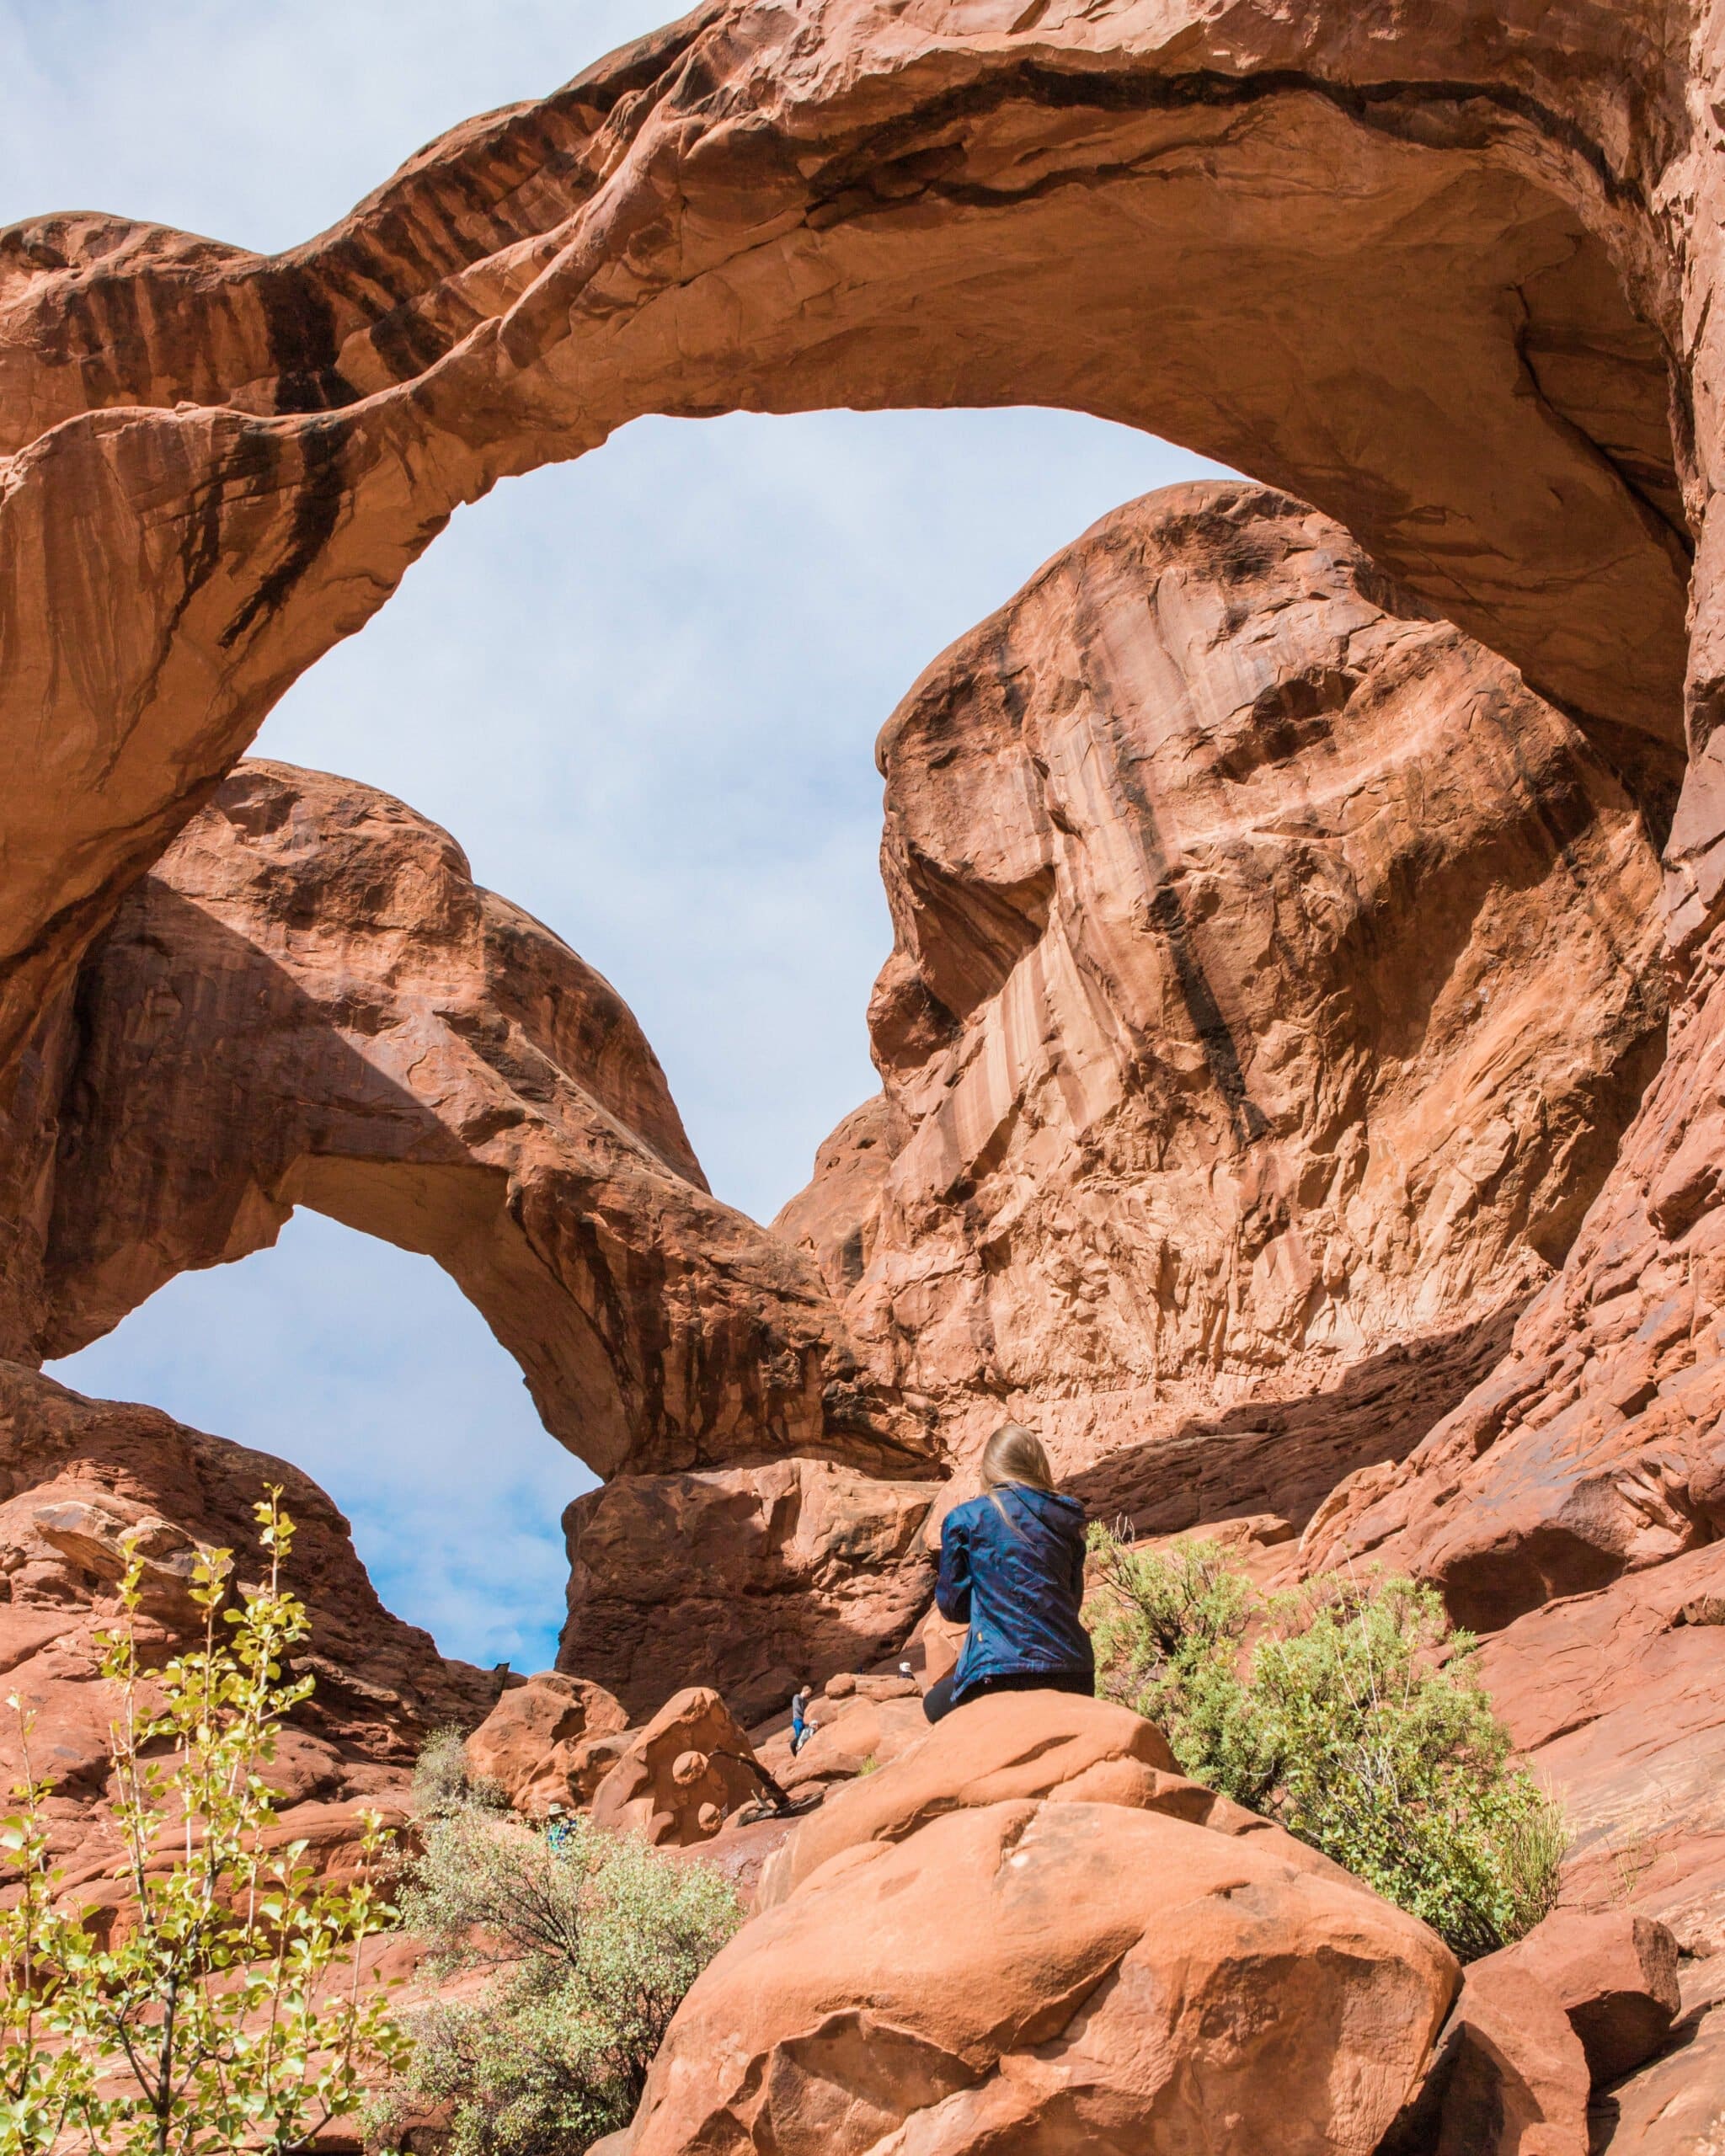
317	507
300	326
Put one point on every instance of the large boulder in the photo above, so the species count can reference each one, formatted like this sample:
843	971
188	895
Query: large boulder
1006	1746
681	1778
536	1739
1037	1976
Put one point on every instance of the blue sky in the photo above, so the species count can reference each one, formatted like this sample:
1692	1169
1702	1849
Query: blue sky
642	689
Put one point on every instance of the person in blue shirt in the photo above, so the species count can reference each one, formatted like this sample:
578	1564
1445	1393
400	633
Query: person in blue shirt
1011	1567
800	1730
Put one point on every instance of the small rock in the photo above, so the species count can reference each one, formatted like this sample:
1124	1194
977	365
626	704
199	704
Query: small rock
1510	2078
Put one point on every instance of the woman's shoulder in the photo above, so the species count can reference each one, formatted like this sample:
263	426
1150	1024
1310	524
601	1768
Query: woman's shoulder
965	1515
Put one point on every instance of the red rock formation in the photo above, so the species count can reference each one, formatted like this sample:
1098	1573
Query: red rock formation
753	1580
76	1474
677	1779
1596	1446
1011	1747
1615	1976
1448	271
309	1002
1272	974
1510	2078
536	1741
1431	268
852	1736
1074	1971
1613	1699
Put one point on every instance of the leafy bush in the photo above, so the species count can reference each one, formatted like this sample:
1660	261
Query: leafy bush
1348	1711
444	1781
591	1944
227	2013
1168	1629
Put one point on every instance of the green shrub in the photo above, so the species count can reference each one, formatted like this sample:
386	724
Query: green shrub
592	1945
227	2013
444	1781
1168	1629
1349	1712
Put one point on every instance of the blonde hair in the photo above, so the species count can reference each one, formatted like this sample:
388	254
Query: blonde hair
1014	1455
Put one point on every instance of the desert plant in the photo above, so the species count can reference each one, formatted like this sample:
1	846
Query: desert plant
444	1780
45	2085
1168	1628
228	2011
1350	1712
590	1945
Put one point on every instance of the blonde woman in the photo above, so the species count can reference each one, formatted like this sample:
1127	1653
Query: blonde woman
1011	1567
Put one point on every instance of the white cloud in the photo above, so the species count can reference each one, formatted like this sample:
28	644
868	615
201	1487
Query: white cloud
642	689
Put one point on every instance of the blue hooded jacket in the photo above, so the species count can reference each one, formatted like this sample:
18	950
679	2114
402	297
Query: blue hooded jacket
1014	1572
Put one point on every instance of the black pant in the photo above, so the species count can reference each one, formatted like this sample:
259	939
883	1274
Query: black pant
938	1701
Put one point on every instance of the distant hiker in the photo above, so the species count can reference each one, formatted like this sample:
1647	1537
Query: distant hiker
557	1829
801	1729
1011	1567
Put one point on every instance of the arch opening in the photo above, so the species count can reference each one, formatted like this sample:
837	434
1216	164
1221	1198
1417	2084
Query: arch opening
366	1367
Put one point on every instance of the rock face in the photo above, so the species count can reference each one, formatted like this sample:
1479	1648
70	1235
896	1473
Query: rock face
754	1580
75	1476
1273	975
1595	1448
309	1002
1614	1700
1017	1973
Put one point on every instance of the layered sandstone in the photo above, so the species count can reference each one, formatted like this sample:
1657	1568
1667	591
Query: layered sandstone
1596	1449
1274	971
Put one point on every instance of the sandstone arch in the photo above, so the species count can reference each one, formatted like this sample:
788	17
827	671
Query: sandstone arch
220	464
310	1002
